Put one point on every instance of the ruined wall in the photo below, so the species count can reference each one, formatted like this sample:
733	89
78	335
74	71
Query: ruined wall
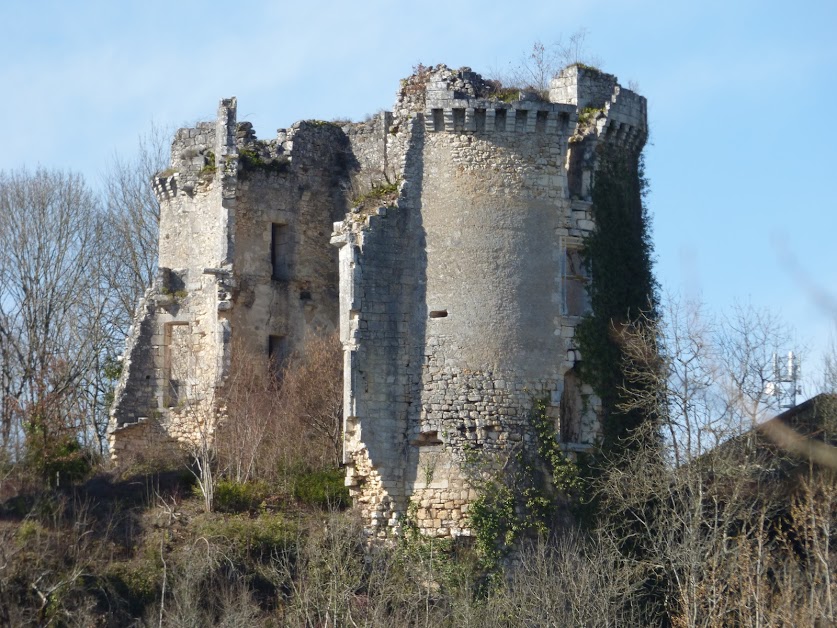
286	275
177	348
373	151
245	267
457	266
382	313
459	305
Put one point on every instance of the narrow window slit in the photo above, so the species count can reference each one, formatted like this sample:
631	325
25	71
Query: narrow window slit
565	123
279	252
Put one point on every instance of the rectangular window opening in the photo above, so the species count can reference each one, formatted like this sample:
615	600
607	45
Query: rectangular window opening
279	252
176	362
576	297
438	314
277	350
572	407
427	438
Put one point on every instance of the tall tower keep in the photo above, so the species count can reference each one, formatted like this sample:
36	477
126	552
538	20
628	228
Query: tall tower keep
459	304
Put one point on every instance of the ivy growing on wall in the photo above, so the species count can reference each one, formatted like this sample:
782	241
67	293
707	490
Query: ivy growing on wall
523	497
623	290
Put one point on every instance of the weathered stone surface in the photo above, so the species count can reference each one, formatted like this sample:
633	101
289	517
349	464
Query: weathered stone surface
459	305
244	259
459	293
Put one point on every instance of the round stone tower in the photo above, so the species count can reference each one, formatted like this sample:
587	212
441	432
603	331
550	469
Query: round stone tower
459	303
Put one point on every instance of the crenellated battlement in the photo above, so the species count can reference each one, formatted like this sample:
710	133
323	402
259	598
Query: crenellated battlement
581	99
623	134
619	115
165	186
487	116
625	119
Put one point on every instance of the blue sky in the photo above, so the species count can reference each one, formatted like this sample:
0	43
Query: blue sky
740	93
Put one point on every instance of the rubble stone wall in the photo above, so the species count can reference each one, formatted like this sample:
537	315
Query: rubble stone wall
295	207
456	298
455	313
245	266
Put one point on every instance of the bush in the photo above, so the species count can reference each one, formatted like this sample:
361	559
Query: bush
59	460
380	194
323	488
259	537
137	582
231	496
28	531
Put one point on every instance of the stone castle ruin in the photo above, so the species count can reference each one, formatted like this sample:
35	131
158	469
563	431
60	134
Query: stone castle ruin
456	299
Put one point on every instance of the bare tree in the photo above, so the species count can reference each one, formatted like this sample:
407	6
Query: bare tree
133	215
252	422
282	416
573	50
71	274
536	69
311	396
747	342
702	381
571	581
713	519
52	303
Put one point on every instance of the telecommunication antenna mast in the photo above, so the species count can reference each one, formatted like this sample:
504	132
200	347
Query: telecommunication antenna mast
785	385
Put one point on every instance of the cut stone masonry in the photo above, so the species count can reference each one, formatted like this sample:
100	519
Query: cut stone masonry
457	302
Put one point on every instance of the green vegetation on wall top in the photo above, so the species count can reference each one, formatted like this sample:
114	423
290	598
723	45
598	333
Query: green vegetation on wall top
251	161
